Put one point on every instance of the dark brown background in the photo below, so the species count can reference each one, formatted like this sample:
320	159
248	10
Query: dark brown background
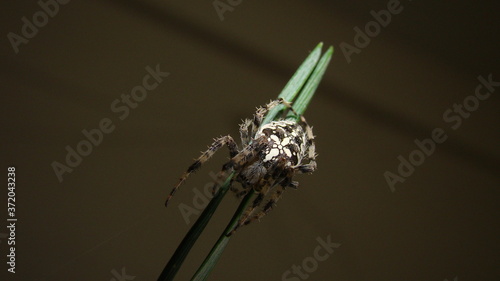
442	222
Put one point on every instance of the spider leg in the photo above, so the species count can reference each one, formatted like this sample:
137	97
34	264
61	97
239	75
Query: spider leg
240	160
288	105
269	205
240	191
205	156
306	168
249	127
311	147
311	156
293	184
265	185
311	166
263	110
242	188
310	153
273	199
247	130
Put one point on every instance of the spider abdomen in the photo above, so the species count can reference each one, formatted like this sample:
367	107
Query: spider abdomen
285	140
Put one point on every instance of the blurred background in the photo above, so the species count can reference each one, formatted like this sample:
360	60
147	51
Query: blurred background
105	220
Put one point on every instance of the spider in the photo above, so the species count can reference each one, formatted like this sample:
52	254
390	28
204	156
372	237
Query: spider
271	155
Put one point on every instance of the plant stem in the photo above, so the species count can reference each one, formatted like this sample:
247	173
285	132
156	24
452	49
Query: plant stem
209	263
187	243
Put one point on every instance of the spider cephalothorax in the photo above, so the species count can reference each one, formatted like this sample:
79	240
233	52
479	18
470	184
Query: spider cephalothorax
271	155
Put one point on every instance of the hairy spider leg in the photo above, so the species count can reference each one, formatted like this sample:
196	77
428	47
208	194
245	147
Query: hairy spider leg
243	190
205	156
272	178
306	168
310	153
293	184
247	129
243	158
311	166
261	113
311	147
257	201
280	188
240	192
269	205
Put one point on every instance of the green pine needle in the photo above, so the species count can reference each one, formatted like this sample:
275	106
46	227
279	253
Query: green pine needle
303	83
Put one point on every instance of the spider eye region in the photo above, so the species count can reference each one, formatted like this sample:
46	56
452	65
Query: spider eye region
285	140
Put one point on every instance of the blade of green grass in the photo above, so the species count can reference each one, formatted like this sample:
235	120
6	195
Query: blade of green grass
300	105
306	94
298	80
216	252
187	243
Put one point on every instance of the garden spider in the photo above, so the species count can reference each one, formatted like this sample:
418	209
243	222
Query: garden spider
271	155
